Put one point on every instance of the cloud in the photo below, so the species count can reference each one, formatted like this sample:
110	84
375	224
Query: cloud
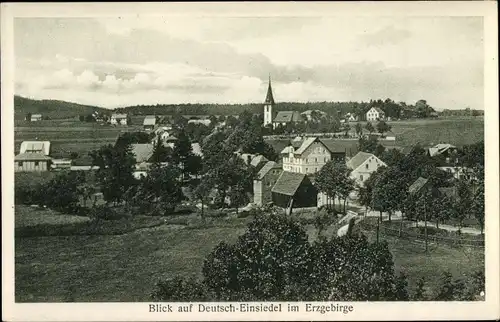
386	36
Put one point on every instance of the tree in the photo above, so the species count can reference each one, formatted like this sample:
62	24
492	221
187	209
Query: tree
201	193
81	118
160	191
182	152
161	153
333	179
359	129
389	191
62	192
274	261
464	200
28	117
115	174
383	127
369	127
237	196
419	294
478	206
368	145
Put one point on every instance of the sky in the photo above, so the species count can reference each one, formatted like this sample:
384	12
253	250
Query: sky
116	62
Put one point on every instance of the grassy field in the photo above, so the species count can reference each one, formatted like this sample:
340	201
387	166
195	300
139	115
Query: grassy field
126	267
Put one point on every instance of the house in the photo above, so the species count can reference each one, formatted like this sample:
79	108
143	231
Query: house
294	190
422	184
363	165
442	149
456	172
42	147
119	119
31	162
258	161
351	117
35	117
205	122
264	182
149	122
283	117
375	114
308	156
311	115
142	152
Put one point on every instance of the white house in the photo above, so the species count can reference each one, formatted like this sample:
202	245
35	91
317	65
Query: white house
31	162
363	165
149	122
351	117
375	114
36	117
121	119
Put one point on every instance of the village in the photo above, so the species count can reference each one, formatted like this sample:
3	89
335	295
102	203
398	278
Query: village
338	175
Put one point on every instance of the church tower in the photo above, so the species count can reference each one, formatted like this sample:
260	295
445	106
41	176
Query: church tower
268	105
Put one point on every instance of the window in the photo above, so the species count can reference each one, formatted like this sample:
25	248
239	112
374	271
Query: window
316	160
366	165
36	163
361	177
325	160
20	164
307	170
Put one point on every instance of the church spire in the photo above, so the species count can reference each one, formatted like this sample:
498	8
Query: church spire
269	96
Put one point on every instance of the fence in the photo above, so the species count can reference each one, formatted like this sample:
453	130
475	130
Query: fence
411	235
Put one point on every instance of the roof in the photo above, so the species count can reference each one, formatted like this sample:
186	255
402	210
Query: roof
36	115
359	159
171	138
35	146
287	116
349	147
203	121
417	185
378	109
266	168
118	116
287	149
142	152
288	183
440	148
150	120
450	192
196	149
258	159
31	157
269	95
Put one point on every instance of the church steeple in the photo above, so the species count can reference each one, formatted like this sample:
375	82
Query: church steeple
268	105
269	96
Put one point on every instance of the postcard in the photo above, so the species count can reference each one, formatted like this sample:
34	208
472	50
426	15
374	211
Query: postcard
251	161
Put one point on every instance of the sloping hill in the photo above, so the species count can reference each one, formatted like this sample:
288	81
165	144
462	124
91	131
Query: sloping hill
53	109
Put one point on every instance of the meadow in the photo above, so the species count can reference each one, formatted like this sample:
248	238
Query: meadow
126	266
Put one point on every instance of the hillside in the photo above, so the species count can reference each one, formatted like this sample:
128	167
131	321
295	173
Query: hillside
53	109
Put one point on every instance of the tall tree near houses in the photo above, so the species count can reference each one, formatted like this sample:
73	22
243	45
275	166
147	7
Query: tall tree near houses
464	200
389	191
442	209
161	153
237	196
182	152
477	207
333	179
115	174
201	193
383	127
359	129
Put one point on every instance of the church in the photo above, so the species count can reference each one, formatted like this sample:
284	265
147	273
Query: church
282	117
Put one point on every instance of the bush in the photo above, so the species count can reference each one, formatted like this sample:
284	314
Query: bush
104	212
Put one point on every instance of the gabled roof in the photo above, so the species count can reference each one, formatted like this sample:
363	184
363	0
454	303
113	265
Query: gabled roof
349	147
359	159
266	168
287	149
119	116
142	152
269	95
150	120
378	109
257	160
305	144
440	148
31	157
288	183
35	146
417	185
287	116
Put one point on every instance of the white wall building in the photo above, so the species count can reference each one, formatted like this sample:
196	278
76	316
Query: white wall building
375	114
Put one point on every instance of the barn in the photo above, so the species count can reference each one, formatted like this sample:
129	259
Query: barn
296	186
